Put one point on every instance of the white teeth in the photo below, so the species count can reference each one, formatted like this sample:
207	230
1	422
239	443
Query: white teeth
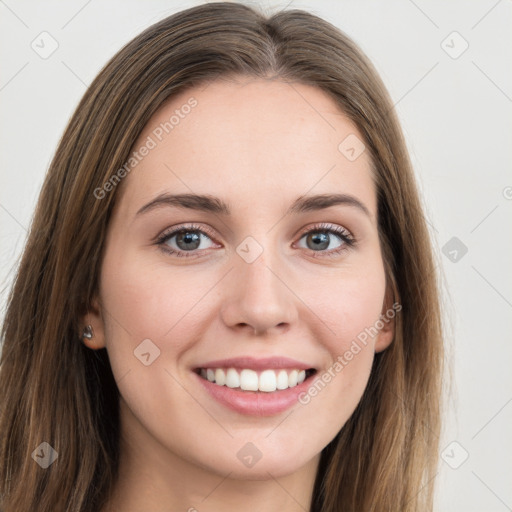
249	380
268	381
282	380
232	378
220	377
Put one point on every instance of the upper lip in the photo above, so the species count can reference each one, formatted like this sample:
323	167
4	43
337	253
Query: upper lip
252	363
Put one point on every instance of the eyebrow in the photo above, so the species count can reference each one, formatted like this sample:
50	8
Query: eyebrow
212	204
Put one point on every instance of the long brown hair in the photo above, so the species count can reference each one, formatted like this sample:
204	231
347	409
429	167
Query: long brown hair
56	390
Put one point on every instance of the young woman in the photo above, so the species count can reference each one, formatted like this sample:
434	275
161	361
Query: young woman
227	300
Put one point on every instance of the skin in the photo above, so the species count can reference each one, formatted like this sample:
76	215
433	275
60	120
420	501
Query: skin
258	145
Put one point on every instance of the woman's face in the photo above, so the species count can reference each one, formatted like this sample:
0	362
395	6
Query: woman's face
269	276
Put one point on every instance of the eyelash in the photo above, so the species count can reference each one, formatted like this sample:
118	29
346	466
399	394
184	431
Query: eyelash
347	239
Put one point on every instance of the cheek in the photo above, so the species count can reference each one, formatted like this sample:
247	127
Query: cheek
350	304
152	301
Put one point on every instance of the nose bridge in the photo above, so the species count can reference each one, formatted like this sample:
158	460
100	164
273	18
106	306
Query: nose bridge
258	281
257	296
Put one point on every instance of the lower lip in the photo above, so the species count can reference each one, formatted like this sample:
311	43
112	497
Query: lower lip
256	403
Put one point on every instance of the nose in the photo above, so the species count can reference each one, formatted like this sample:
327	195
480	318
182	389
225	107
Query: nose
258	298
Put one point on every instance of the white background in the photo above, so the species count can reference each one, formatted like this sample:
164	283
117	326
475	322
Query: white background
456	115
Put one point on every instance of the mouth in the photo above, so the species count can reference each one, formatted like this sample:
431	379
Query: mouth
268	380
252	386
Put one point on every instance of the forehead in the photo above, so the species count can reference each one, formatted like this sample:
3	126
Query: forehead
249	140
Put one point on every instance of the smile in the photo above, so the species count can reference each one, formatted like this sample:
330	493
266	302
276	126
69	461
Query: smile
267	381
255	386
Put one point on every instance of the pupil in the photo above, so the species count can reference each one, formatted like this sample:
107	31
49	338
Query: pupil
186	237
320	240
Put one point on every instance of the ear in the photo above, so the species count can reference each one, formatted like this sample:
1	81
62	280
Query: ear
387	320
94	318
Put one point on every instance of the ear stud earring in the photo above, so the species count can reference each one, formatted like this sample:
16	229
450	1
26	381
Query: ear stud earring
87	332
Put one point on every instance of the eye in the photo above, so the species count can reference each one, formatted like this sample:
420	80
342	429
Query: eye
184	239
327	238
187	241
